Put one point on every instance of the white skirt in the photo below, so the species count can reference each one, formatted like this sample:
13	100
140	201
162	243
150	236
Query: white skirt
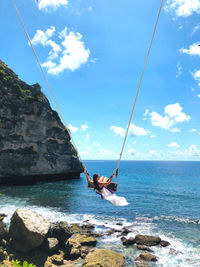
113	198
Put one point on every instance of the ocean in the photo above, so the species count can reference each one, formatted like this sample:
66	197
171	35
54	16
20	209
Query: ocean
164	199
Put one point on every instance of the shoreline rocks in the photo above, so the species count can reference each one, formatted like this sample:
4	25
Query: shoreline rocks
33	239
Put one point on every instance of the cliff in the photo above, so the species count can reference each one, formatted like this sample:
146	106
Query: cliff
34	144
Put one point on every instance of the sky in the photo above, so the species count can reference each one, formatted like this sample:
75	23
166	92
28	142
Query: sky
93	53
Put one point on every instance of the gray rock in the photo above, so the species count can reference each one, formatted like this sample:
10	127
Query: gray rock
145	256
34	144
142	247
164	243
27	229
128	241
61	230
147	240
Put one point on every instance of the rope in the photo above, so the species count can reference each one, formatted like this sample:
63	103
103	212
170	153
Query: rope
48	85
123	145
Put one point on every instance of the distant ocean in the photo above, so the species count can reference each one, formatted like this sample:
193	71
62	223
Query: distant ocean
164	200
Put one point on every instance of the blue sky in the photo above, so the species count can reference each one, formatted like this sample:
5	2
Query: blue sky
93	53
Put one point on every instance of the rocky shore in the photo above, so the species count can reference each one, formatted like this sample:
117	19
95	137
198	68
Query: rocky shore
34	144
34	239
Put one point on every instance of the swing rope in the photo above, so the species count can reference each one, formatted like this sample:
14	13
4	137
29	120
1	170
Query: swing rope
48	85
139	87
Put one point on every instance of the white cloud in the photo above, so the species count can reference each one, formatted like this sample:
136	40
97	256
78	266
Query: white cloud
48	5
73	129
72	50
137	131
196	76
156	154
180	27
174	145
183	8
97	144
179	70
152	136
198	95
175	130
196	28
189	153
193	130
84	127
133	130
145	114
87	137
119	131
193	49
173	115
131	152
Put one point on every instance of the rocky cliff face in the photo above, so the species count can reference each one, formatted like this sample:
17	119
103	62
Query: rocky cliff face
34	144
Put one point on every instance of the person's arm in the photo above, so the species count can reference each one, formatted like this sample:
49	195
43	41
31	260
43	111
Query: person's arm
89	179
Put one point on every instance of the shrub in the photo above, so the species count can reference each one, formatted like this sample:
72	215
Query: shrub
16	263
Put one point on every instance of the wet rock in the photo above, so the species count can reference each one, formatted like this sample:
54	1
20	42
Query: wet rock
27	229
125	231
88	226
145	256
142	264
61	230
119	223
104	258
128	241
164	243
112	231
174	252
142	247
147	240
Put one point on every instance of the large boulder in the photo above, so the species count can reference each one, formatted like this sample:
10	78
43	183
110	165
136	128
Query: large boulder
28	229
104	258
61	230
147	240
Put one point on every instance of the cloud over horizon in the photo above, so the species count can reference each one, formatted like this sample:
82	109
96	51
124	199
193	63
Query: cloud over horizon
172	115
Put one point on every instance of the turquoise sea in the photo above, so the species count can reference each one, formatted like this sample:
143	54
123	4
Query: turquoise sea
164	200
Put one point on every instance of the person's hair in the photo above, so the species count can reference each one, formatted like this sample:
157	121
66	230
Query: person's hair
95	177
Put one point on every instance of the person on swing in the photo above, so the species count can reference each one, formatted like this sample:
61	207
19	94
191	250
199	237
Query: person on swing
99	182
100	185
